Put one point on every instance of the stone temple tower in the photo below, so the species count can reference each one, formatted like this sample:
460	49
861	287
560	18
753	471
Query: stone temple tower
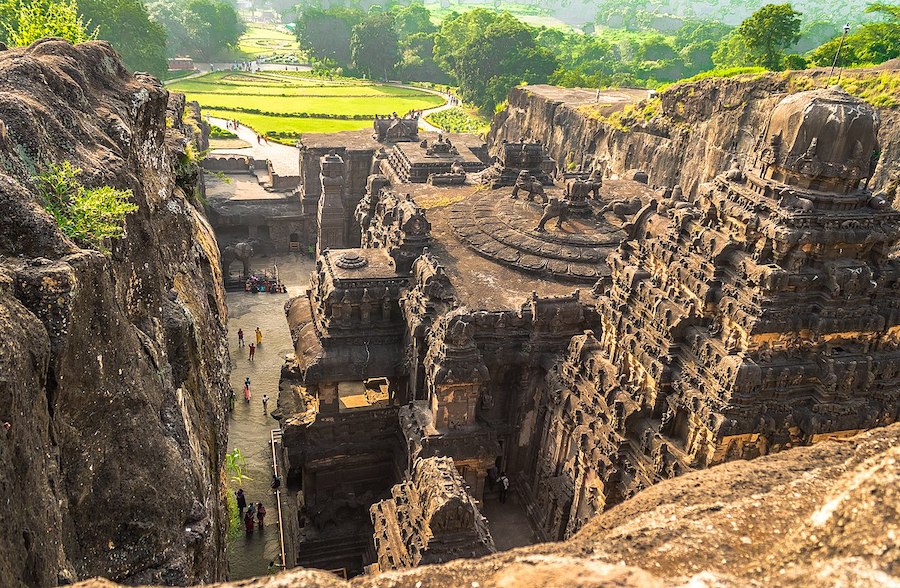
760	315
331	213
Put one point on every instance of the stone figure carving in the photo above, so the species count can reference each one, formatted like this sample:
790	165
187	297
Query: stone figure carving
554	208
529	184
242	251
578	190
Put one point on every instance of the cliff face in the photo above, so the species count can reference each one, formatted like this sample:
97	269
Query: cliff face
688	135
113	368
821	515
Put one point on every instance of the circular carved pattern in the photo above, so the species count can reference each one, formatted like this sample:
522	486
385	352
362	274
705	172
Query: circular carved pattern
351	261
504	230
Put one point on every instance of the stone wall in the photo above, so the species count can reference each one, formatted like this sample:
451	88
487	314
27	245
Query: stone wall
697	129
114	370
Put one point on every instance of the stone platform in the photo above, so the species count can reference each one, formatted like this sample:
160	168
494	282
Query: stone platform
504	230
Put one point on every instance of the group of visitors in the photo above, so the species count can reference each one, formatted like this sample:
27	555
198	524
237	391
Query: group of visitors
260	139
414	114
257	284
255	515
252	348
233	124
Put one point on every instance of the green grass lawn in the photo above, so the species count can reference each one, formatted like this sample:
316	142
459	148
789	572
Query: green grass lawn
262	123
262	40
280	97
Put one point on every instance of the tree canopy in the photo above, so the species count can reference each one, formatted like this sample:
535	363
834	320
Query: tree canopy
201	28
126	24
768	32
874	42
375	45
325	34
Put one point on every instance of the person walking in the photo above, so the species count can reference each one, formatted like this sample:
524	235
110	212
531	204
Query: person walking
503	485
249	522
252	351
260	514
231	399
276	482
240	337
241	500
265	404
247	390
258	337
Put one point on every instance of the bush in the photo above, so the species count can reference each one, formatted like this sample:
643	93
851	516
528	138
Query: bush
217	132
88	216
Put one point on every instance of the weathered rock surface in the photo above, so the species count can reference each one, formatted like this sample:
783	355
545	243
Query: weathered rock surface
823	515
113	368
697	128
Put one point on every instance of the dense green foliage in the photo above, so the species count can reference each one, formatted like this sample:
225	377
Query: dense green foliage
874	42
25	21
325	34
768	32
375	46
203	29
458	120
88	216
126	24
487	53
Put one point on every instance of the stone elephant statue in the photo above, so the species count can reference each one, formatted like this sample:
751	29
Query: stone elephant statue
530	185
555	208
242	251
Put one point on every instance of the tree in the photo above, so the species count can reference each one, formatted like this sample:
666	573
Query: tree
214	26
413	19
375	46
768	32
325	34
127	26
488	53
38	19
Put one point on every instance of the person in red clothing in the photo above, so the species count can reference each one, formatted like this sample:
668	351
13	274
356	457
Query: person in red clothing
252	351
248	522
260	514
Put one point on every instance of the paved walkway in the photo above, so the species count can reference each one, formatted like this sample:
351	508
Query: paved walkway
248	426
285	158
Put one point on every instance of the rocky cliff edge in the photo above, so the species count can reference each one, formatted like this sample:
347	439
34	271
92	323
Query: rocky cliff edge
113	366
691	131
824	515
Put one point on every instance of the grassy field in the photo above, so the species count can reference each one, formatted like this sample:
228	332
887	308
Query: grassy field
292	102
262	40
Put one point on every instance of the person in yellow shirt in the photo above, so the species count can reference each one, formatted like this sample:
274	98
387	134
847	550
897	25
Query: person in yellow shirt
258	337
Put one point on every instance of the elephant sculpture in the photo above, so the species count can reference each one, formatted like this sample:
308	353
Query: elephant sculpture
242	251
530	185
577	190
555	208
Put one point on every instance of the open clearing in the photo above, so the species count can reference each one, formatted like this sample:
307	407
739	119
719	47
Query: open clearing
289	102
266	40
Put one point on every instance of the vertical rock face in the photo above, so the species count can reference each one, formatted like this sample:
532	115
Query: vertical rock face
687	136
114	367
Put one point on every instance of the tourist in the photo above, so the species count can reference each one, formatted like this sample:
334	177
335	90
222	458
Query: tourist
252	351
503	485
247	390
260	514
492	475
241	500
251	510
248	521
231	398
265	403
240	337
258	337
276	482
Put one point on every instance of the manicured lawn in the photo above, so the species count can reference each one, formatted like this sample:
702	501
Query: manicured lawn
263	124
291	94
259	40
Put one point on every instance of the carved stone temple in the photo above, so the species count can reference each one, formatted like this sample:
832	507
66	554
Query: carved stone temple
444	337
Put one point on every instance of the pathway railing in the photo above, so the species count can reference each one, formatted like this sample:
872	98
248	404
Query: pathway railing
275	436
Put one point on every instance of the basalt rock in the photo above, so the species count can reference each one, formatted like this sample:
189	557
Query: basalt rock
688	135
815	516
114	366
